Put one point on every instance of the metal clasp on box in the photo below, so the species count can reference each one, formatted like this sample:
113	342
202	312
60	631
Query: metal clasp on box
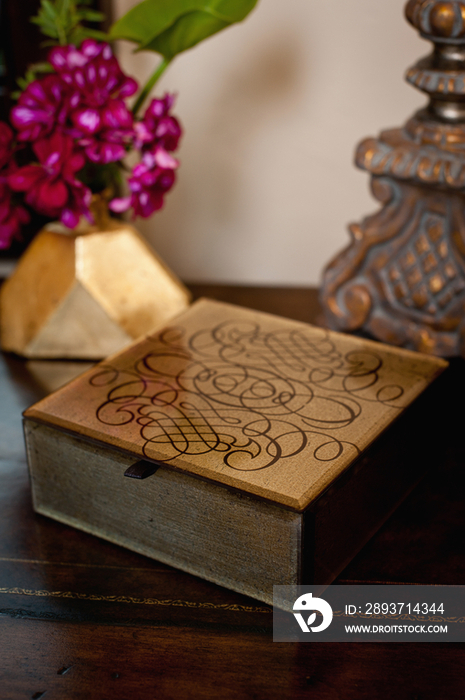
141	470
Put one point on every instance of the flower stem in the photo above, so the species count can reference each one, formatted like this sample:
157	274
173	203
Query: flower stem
149	84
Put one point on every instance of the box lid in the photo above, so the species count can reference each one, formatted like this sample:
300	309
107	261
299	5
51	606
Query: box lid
273	407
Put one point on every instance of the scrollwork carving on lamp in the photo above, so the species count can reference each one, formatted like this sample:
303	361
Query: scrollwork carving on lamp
402	277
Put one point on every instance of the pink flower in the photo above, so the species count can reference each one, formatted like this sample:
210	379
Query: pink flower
158	127
12	216
149	182
103	132
92	70
42	107
84	99
51	186
155	135
102	124
6	144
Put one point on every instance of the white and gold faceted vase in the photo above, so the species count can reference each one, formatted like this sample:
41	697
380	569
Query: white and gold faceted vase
86	293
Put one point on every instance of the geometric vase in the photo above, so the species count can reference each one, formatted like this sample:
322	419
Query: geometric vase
86	293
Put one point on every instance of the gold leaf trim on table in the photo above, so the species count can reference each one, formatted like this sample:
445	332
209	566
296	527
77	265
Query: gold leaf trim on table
137	601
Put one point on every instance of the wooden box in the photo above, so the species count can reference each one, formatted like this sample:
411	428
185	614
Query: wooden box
265	451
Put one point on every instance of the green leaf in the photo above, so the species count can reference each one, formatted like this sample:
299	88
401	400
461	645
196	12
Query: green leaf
187	31
172	26
148	19
48	11
42	67
91	15
32	73
61	20
88	33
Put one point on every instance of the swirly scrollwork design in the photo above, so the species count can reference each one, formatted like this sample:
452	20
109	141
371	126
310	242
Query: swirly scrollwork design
253	396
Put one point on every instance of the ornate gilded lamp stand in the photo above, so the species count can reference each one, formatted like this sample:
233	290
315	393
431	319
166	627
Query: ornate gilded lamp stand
402	278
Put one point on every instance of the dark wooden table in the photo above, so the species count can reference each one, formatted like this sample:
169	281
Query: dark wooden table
81	618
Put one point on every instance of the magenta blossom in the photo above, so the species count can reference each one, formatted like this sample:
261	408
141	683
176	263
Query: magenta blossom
158	127
6	144
84	99
42	108
51	187
76	119
150	180
103	132
12	216
156	134
102	124
93	70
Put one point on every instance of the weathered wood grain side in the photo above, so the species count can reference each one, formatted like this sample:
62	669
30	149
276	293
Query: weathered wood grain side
225	537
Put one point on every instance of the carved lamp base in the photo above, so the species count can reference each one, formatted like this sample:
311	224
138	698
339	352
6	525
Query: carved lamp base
402	278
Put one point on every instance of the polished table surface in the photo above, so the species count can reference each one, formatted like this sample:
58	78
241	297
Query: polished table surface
83	618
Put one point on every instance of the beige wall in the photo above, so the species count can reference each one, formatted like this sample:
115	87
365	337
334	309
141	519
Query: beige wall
272	111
